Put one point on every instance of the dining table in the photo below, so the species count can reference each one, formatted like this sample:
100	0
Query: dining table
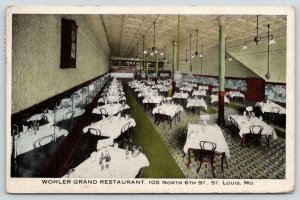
30	139
215	98
111	109
270	106
58	115
112	99
112	126
202	132
195	102
244	122
110	162
169	110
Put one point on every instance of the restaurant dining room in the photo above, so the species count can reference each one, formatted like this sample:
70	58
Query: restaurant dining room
148	96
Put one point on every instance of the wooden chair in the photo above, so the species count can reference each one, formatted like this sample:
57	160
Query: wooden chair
274	115
43	141
126	129
255	134
206	153
94	131
103	112
233	126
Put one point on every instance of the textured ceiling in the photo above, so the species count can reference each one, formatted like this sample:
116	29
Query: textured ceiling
125	32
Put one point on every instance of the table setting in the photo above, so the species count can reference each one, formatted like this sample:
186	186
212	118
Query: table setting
110	162
111	126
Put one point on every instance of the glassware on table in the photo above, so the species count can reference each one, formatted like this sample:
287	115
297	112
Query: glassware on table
70	171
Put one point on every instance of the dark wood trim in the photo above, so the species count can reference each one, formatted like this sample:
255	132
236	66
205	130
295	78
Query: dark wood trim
275	83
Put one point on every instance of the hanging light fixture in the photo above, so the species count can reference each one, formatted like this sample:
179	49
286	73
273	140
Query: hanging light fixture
154	48
164	53
190	52
196	52
257	38
268	75
186	60
272	41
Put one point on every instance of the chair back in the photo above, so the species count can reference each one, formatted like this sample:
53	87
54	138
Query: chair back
103	111
207	149
275	110
122	108
256	129
105	100
43	141
94	131
125	127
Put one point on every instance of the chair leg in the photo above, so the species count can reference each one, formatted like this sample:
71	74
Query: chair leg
199	165
212	167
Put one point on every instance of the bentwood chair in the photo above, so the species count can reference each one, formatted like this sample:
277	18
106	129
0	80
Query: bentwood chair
126	129
206	153
122	111
94	131
43	141
255	134
122	99
275	114
103	112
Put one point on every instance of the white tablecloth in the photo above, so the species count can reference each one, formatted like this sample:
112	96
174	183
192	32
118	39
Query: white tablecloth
168	109
215	98
267	107
153	99
196	103
199	92
186	88
111	109
235	94
111	126
180	95
197	133
201	87
59	115
119	166
112	99
28	140
244	123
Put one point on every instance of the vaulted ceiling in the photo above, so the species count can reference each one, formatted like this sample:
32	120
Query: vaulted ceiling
125	32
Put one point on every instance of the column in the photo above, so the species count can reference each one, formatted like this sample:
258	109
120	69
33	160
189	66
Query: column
221	20
156	66
147	66
178	35
174	63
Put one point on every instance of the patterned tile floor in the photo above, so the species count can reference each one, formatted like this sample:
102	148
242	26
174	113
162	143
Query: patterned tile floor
255	162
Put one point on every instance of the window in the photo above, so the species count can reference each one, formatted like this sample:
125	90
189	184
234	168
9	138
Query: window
68	43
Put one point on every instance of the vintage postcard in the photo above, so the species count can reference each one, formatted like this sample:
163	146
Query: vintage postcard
150	99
